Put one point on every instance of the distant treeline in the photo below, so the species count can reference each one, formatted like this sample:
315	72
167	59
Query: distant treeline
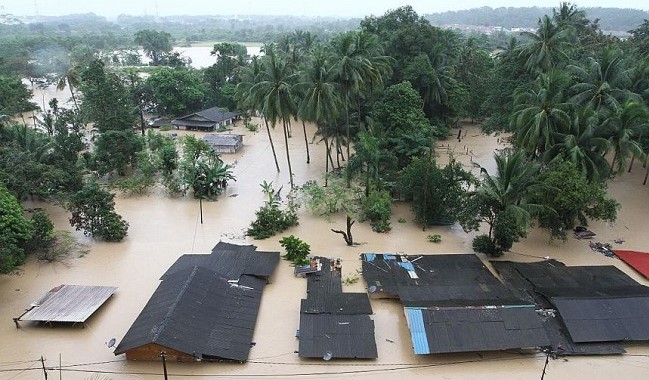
184	29
610	19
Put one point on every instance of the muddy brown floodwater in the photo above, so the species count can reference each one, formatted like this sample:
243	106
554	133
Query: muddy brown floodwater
163	228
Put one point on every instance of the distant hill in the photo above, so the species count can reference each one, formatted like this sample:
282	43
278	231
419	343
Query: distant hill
610	19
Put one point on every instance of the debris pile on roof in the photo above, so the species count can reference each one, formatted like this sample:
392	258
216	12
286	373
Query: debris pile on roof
595	307
333	324
453	303
205	308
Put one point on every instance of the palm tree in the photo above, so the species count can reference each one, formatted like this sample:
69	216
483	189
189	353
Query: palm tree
582	146
604	84
509	189
547	47
369	157
541	112
72	79
274	89
320	102
621	128
251	101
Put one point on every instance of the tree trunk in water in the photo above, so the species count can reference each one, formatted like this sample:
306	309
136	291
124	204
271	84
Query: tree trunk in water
645	176
306	143
272	146
631	164
326	140
331	160
74	98
141	120
338	152
288	155
348	133
349	239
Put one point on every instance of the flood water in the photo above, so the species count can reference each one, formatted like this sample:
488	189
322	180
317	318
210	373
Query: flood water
163	228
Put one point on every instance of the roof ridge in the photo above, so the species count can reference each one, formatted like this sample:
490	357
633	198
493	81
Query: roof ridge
175	303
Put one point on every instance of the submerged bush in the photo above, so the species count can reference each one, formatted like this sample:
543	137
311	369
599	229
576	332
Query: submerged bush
296	250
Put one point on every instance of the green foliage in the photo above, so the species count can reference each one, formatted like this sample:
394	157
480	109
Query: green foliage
93	211
15	96
351	280
15	231
297	250
336	197
435	238
202	170
115	151
484	244
174	92
570	199
271	218
156	45
377	208
252	127
438	195
43	233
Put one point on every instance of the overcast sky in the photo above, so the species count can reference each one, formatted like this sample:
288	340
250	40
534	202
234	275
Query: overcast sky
344	8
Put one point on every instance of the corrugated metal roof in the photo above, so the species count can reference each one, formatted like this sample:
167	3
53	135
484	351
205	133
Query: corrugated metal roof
68	303
230	261
333	323
441	280
206	305
343	336
223	140
197	312
418	335
459	329
637	260
214	115
596	305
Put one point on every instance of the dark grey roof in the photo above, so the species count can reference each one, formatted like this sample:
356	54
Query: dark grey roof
605	319
596	305
210	115
343	336
446	330
343	303
435	280
198	312
333	321
230	261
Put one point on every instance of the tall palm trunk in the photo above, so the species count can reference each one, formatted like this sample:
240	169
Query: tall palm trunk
288	155
327	156
306	143
272	146
74	98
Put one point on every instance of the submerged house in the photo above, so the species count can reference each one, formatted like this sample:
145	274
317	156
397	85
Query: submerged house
206	120
333	324
224	143
205	308
453	303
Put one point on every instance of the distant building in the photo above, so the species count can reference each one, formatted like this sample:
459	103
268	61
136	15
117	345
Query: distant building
224	143
206	120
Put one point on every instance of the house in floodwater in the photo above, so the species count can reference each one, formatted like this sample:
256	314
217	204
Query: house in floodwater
205	307
453	303
206	120
224	143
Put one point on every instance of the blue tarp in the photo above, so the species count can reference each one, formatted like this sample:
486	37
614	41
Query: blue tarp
407	265
417	331
369	257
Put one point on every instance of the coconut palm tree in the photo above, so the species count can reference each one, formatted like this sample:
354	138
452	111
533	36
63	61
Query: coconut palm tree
582	145
274	90
320	102
547	47
602	83
540	112
369	158
509	189
251	101
72	79
621	129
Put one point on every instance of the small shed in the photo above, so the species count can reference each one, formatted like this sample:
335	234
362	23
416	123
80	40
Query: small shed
224	143
67	304
206	120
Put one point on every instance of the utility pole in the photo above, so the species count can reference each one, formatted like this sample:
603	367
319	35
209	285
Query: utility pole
547	359
44	370
163	354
